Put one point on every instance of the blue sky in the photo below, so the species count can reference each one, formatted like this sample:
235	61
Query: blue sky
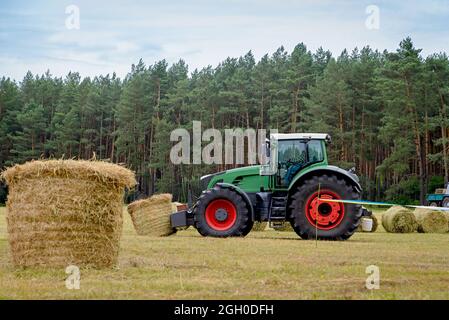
115	34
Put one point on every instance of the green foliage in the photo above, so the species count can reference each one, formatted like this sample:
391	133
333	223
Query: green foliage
435	182
386	112
404	192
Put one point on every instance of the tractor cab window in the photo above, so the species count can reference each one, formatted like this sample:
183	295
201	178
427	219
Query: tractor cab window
294	155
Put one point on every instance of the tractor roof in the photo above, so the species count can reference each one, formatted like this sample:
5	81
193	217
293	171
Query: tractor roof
298	136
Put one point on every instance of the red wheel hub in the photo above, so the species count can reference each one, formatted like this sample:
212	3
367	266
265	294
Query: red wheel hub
325	215
221	214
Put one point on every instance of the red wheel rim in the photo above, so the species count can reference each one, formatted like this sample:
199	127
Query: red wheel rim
221	214
324	215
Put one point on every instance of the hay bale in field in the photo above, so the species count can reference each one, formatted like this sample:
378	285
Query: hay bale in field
398	219
259	226
62	212
431	221
151	217
375	224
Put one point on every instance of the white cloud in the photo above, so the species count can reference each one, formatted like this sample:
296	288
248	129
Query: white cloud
113	36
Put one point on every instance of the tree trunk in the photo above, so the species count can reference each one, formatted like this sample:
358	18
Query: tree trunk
418	145
444	137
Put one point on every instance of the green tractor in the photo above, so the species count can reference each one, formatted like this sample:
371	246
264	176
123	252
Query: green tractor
291	188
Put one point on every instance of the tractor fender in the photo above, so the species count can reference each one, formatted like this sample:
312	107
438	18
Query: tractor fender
350	177
240	192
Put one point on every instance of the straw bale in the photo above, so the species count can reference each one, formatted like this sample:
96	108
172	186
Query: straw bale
431	221
398	219
62	212
151	216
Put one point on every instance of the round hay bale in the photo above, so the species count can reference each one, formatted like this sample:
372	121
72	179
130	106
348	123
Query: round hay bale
398	219
431	221
375	224
63	212
151	217
259	226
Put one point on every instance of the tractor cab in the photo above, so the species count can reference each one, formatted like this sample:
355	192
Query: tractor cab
289	153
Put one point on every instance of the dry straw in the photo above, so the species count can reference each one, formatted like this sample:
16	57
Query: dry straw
151	217
259	226
62	212
431	221
398	219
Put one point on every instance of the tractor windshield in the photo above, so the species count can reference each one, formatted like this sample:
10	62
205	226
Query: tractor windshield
294	155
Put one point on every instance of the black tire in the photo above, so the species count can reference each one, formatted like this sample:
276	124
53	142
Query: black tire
445	202
433	204
249	227
242	225
348	219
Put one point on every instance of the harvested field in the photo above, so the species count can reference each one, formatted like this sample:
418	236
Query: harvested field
268	264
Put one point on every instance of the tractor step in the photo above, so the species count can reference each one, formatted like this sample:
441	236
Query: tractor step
278	208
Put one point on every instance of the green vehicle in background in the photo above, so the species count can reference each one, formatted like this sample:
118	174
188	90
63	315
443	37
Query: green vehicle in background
288	189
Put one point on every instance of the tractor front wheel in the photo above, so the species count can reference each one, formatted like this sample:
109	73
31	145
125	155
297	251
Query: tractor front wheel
222	212
312	216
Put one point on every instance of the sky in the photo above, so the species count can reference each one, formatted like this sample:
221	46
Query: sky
112	35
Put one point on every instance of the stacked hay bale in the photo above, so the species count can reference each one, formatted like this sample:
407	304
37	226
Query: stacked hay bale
259	226
151	217
62	212
431	221
398	219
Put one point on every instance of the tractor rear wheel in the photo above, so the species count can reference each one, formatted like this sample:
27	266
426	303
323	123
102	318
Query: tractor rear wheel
222	212
311	216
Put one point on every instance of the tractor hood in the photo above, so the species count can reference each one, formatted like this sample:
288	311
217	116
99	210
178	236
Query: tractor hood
244	176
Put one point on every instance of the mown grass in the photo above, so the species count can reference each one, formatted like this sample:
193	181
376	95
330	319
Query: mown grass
264	265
